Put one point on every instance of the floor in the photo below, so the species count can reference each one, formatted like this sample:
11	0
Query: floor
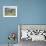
7	45
30	43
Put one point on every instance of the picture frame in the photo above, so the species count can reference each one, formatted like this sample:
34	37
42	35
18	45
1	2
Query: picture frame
9	11
39	28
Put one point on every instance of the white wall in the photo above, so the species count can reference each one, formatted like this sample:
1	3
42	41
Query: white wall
41	27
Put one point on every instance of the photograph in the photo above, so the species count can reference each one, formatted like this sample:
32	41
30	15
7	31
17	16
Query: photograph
28	33
9	11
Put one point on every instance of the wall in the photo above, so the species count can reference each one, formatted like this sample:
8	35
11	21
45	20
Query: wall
7	25
29	12
33	11
33	27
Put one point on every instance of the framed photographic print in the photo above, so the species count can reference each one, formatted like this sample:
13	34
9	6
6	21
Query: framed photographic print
33	32
9	11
